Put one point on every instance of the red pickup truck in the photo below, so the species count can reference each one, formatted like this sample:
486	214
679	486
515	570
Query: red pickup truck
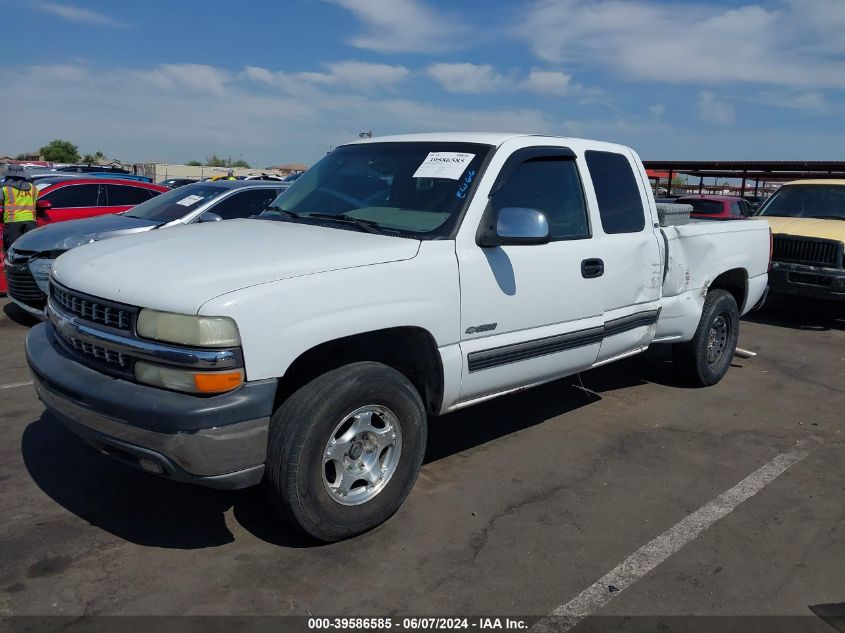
62	198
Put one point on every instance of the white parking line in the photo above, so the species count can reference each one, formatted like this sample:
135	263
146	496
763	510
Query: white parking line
652	554
12	385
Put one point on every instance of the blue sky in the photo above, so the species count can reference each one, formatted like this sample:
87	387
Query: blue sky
279	81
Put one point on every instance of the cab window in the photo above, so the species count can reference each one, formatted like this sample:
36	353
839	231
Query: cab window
72	196
243	204
553	186
127	196
620	204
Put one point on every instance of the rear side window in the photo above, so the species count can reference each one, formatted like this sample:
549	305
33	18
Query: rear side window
620	205
550	185
245	203
71	196
126	196
702	205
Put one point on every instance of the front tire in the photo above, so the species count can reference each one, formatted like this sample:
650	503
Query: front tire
345	449
705	359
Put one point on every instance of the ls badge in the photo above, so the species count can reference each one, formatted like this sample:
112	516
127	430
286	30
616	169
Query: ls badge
484	327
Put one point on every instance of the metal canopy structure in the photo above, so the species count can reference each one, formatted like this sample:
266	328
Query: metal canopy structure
757	170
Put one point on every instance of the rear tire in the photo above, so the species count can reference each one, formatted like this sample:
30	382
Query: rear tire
705	359
345	449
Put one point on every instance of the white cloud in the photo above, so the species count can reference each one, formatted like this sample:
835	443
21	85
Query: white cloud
353	75
484	78
805	101
76	14
657	110
365	74
198	78
549	82
711	110
401	26
467	78
799	43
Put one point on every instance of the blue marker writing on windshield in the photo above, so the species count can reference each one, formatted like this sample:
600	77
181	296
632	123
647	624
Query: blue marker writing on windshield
462	190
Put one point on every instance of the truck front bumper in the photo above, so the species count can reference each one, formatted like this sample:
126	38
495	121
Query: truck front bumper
214	441
807	281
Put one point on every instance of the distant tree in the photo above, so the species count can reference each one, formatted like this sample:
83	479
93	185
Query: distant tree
215	161
194	163
240	163
99	155
59	151
89	158
20	157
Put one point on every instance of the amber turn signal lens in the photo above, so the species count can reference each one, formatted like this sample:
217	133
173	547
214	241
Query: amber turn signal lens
218	381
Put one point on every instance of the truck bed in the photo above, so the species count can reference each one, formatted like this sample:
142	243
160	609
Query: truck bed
693	252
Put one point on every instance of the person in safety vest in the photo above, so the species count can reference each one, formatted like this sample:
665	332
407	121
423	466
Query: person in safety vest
230	175
17	205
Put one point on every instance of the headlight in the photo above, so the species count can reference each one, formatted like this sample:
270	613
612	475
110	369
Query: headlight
187	379
40	269
184	329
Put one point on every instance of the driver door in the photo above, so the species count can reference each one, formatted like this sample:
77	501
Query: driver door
532	313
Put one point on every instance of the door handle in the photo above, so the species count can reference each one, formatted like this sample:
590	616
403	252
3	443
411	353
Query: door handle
591	268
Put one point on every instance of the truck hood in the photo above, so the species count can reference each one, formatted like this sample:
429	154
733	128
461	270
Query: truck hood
808	227
185	266
63	236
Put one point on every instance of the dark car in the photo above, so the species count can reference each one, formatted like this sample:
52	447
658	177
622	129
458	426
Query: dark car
32	256
87	169
173	183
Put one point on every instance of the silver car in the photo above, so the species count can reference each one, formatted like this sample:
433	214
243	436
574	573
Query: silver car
30	259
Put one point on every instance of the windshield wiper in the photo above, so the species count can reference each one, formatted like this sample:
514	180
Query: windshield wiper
365	225
285	212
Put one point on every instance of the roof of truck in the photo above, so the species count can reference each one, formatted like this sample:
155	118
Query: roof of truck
487	138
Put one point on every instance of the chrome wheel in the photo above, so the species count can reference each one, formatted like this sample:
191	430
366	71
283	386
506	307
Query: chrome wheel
362	454
717	339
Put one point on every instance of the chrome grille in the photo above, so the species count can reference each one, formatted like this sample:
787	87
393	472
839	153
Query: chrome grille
807	250
100	353
90	309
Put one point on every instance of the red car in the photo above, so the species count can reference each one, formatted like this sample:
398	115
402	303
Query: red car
708	207
62	198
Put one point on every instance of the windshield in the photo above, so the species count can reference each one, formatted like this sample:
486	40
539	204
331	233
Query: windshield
411	188
701	205
175	204
807	201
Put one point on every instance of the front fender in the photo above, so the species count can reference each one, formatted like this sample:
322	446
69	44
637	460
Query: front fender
281	320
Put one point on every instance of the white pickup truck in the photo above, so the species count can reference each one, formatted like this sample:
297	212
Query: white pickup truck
399	278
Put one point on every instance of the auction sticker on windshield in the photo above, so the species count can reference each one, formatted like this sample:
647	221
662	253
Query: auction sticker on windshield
444	165
189	200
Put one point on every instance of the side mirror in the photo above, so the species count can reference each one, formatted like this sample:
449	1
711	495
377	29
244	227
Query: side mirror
43	205
208	216
516	225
